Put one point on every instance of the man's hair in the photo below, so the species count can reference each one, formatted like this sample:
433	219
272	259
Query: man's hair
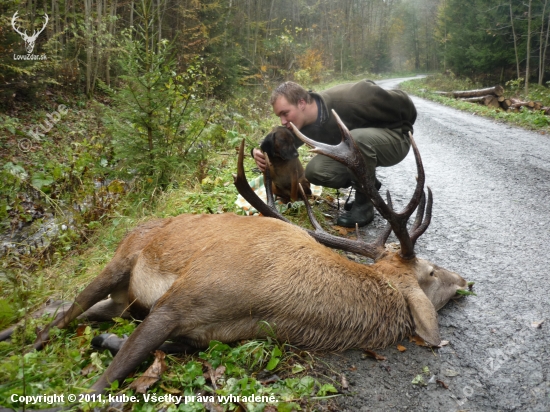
293	93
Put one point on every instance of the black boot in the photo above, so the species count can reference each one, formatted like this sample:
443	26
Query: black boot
362	212
349	203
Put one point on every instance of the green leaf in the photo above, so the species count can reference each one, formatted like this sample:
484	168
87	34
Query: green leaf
272	364
41	179
326	389
418	380
465	292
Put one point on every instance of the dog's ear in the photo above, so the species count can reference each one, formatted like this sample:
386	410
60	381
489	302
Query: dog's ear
286	148
267	144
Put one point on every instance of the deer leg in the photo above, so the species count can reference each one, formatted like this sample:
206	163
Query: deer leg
49	308
148	336
114	279
113	344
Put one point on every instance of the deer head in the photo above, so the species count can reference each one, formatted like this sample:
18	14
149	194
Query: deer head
29	40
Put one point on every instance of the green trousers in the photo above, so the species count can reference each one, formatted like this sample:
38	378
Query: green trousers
380	147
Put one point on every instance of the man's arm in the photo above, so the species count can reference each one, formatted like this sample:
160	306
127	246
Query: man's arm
259	158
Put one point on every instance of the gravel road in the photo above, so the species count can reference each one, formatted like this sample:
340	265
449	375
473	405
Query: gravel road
491	185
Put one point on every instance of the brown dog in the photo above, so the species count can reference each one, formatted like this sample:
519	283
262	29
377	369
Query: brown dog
284	166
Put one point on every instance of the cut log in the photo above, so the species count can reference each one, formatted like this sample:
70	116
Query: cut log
496	90
506	104
517	104
479	99
488	100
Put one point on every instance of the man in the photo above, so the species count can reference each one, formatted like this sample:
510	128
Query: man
379	122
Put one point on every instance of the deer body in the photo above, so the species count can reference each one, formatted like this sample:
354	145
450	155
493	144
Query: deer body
197	278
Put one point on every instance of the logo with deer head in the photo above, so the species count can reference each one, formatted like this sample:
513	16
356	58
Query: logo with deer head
29	40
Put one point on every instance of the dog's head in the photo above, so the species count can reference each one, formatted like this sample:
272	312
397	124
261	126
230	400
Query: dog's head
279	143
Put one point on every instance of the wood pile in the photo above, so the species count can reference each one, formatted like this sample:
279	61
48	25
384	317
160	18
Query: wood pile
494	97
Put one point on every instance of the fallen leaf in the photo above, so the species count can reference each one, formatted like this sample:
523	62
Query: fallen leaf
418	380
451	373
344	231
88	369
353	368
151	375
81	330
373	354
344	382
418	340
214	374
537	325
173	391
443	343
443	384
401	348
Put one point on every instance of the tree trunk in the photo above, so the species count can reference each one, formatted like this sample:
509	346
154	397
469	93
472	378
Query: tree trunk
528	55
541	62
515	40
88	34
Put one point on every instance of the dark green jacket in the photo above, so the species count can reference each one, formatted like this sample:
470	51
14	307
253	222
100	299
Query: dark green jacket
360	105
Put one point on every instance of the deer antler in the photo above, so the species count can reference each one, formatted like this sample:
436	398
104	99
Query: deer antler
24	35
347	153
29	40
35	35
371	250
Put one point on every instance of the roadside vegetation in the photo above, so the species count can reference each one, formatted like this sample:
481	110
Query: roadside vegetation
532	119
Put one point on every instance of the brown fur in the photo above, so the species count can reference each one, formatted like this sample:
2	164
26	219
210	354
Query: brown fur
217	277
284	165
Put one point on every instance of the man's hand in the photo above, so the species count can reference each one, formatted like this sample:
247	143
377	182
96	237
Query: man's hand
259	158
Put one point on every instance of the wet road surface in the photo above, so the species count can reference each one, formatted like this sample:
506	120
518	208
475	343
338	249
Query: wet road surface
491	224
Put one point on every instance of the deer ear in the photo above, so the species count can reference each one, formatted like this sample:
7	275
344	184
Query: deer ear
424	316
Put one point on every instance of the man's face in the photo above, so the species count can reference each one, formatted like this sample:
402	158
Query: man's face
289	112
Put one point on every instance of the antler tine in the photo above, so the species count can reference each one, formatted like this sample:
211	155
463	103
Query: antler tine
246	191
416	232
383	237
419	190
13	19
419	213
371	250
35	34
267	184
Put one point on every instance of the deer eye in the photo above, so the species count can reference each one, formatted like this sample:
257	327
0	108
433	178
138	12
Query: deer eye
432	273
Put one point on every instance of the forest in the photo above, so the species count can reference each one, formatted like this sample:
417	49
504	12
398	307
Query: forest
251	43
114	111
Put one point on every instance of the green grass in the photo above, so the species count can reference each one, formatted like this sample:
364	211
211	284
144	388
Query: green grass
535	120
